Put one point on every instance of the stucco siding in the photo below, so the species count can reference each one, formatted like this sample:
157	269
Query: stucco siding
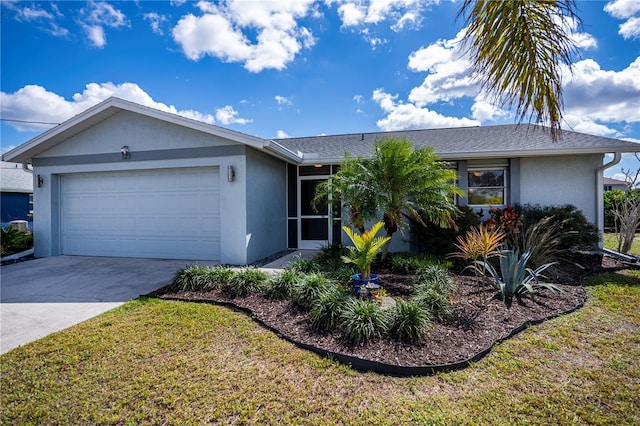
165	146
561	180
139	133
266	205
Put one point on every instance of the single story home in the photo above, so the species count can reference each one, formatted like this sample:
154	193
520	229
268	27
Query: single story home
121	179
16	192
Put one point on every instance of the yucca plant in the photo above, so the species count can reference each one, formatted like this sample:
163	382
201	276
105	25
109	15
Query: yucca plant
515	277
362	321
365	248
408	322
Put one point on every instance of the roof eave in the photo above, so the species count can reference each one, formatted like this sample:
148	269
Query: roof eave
100	112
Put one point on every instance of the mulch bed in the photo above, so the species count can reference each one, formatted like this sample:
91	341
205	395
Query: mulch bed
482	321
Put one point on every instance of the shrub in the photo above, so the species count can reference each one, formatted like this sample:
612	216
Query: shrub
514	278
341	274
246	281
362	321
283	285
436	241
581	233
310	289
14	241
218	277
410	263
304	266
432	291
326	310
544	240
408	322
190	278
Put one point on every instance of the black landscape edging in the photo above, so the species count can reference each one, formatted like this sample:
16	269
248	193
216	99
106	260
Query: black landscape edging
365	365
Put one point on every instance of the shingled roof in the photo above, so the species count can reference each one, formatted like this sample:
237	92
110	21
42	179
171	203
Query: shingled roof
461	143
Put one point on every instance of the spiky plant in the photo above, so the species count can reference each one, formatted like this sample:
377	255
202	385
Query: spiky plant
246	281
362	321
326	310
408	322
283	285
309	290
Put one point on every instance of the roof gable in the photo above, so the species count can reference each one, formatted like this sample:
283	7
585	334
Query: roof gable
108	108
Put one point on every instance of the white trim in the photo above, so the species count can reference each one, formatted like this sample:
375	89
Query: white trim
108	108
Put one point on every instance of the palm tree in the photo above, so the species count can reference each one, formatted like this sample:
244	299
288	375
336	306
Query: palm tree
396	183
517	49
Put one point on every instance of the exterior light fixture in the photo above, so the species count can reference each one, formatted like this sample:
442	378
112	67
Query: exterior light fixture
231	174
124	151
40	181
317	166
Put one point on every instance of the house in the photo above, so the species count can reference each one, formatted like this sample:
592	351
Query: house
121	179
611	184
16	192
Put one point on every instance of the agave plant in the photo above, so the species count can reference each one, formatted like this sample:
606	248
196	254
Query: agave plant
515	277
365	248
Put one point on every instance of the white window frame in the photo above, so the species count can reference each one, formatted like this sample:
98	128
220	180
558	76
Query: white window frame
504	187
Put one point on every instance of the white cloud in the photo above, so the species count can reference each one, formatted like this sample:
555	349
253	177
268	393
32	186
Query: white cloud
449	72
98	15
177	2
484	111
28	14
626	9
582	124
359	99
401	116
281	134
603	95
351	14
282	100
35	103
227	115
622	9
156	20
401	13
631	28
219	32
35	13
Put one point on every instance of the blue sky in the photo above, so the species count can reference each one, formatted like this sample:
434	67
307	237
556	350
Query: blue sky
293	68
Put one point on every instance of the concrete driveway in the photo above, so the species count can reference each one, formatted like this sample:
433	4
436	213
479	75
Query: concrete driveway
41	296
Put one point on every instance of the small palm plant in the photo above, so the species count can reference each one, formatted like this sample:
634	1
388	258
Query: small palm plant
365	248
515	278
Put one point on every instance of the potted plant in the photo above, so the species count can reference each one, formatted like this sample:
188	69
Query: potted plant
364	250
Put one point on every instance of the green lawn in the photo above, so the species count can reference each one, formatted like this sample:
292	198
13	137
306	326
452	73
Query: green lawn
161	362
611	243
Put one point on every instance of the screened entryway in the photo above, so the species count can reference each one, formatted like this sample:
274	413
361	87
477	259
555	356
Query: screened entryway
310	226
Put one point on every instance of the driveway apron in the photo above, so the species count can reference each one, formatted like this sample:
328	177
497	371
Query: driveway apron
41	296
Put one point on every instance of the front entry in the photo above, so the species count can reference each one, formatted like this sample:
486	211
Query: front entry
313	225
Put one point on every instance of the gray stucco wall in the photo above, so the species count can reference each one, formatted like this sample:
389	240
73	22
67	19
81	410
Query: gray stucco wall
561	180
154	144
266	205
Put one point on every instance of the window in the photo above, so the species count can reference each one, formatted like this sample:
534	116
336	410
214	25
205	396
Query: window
486	187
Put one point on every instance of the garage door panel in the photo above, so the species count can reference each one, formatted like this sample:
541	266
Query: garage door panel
173	213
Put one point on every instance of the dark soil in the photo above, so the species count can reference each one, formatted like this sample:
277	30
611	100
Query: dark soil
482	319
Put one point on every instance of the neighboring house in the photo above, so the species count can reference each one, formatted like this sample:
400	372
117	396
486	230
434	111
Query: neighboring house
16	192
611	184
121	179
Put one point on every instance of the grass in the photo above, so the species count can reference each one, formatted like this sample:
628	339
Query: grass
611	243
162	362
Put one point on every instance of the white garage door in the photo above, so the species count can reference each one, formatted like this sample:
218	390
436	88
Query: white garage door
166	214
